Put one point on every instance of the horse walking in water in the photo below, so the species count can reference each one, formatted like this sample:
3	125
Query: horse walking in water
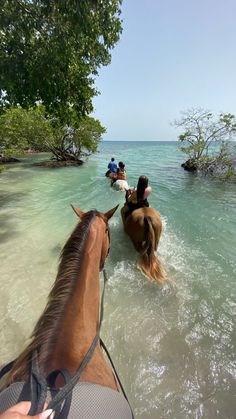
65	345
144	227
118	185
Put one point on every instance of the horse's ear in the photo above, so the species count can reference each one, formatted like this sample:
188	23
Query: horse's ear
110	213
78	211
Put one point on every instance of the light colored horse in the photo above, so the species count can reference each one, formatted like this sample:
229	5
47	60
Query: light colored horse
120	185
144	228
69	328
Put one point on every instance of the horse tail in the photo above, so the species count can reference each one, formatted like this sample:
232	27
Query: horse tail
148	261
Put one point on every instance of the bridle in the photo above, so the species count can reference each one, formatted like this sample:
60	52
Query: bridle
109	237
107	231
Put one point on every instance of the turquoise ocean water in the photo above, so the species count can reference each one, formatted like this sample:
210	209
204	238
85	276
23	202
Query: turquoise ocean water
174	346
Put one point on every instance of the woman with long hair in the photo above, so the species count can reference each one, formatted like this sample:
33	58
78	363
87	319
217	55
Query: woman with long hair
143	190
137	198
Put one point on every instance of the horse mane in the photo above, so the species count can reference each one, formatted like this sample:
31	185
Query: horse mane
45	331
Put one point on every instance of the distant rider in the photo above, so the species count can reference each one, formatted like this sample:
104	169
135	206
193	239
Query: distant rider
112	167
121	173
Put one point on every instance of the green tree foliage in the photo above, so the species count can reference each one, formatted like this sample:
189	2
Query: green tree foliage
21	130
50	52
77	141
207	141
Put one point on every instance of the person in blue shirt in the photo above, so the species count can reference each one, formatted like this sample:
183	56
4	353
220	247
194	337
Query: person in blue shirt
112	167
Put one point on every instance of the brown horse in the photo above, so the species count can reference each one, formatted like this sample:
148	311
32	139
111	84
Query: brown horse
69	325
110	174
144	228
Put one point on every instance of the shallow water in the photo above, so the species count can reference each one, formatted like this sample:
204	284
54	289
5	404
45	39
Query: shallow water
174	346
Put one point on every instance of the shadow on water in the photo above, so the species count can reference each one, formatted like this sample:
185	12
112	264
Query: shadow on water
56	250
122	247
7	197
7	228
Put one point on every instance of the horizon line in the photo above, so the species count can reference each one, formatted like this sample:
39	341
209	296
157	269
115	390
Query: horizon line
139	140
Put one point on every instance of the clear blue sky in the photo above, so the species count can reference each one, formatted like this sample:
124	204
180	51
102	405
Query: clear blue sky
172	55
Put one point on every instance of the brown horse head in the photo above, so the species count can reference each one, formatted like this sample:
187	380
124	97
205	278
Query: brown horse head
106	238
144	228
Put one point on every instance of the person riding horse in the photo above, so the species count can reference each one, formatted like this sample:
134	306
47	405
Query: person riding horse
137	198
112	168
144	226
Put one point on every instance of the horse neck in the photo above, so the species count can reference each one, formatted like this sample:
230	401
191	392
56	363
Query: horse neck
81	315
67	326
